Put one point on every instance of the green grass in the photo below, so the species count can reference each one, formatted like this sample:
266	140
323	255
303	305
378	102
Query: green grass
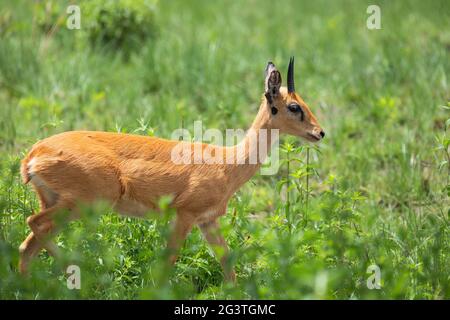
375	192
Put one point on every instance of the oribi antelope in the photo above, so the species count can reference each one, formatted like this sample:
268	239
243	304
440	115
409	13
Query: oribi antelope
132	172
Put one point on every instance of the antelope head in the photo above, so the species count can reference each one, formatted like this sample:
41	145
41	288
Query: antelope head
288	112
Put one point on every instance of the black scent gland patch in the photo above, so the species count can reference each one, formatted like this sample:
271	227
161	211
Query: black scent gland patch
274	110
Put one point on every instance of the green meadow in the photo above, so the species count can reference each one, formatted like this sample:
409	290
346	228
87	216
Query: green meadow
373	195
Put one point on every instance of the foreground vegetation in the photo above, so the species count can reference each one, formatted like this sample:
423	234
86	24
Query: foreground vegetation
375	192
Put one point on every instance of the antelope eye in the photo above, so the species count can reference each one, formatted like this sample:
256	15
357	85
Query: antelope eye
295	108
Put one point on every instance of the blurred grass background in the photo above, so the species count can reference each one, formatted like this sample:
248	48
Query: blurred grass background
376	191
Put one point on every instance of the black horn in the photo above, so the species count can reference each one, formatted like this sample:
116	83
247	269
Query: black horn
290	76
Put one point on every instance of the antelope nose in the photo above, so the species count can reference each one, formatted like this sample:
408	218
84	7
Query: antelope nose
322	134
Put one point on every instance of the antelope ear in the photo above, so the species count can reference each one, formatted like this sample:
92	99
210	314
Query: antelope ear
272	83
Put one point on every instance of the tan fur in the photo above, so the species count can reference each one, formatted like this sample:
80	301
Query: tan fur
132	172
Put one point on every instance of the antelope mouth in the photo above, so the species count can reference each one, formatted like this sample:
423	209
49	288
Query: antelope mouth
313	137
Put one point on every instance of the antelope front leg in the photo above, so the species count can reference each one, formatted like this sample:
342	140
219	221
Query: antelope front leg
212	234
182	227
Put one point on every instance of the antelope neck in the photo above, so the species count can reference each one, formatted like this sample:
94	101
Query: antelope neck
252	151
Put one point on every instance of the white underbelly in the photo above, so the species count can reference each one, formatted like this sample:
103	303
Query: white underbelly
129	207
